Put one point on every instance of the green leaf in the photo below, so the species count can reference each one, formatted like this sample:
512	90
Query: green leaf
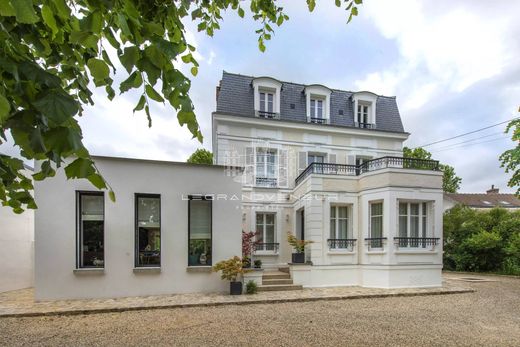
56	106
129	58
112	195
46	171
140	104
6	9
80	168
98	69
97	181
358	2
83	38
241	12
24	11
49	20
4	109
194	71
153	94
133	81
311	4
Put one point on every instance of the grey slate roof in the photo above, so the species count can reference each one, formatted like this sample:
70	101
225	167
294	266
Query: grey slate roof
236	97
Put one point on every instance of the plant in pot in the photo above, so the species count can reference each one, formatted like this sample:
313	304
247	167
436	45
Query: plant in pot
299	248
230	270
258	264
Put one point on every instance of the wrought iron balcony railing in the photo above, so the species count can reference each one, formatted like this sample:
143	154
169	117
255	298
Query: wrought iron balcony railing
368	166
267	114
375	242
266	182
416	242
366	125
318	120
341	243
266	246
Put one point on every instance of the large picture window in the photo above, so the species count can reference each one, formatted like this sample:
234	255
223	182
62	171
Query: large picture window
90	230
413	223
148	230
200	231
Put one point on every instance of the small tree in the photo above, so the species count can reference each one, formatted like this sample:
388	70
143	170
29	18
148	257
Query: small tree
510	159
297	244
201	156
230	268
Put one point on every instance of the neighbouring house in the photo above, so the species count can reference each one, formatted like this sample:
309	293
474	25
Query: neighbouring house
169	224
327	165
17	247
491	199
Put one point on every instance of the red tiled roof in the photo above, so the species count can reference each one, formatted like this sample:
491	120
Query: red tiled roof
489	200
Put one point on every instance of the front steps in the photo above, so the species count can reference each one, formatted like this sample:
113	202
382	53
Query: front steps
276	281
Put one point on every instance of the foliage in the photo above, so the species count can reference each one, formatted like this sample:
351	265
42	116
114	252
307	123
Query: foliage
230	268
297	244
248	243
450	180
246	262
258	264
54	52
482	240
510	159
201	156
251	287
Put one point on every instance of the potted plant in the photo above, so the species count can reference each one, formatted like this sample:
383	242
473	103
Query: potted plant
299	248
230	270
258	264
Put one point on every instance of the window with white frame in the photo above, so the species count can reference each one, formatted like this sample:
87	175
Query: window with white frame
266	103
413	224
317	114
266	167
376	225
90	230
340	233
265	231
362	114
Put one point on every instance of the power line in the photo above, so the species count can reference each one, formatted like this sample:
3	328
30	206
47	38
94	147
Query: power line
470	144
468	133
475	139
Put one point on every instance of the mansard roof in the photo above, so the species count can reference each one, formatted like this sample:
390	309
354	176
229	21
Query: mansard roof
236	97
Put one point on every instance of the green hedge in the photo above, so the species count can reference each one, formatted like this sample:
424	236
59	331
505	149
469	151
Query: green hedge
483	241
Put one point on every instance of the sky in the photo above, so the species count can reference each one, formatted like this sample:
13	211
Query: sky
453	66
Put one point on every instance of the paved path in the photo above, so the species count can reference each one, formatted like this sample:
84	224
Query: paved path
490	316
21	303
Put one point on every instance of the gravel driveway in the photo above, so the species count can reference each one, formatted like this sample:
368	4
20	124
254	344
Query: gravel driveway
488	317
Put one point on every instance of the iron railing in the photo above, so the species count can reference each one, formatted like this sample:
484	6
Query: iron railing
341	243
267	114
416	241
375	242
318	120
368	166
366	125
266	246
266	182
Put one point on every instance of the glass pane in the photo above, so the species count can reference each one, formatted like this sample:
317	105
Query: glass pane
403	208
376	209
270	103
148	231
320	109
424	226
414	226
269	233
259	218
377	227
200	233
342	211
403	226
332	228
269	219
313	108
92	207
92	231
414	209
260	228
342	229
332	211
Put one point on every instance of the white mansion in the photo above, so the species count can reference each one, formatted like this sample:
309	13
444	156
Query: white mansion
327	165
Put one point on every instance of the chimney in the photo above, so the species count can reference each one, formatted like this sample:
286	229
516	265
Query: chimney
217	90
493	190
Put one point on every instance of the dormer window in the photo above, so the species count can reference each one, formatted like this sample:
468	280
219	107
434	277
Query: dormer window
365	106
267	97
318	104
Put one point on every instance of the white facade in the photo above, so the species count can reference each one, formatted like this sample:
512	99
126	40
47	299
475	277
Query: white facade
16	249
58	274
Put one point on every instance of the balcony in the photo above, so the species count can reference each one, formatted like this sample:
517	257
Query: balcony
341	244
318	120
368	166
416	242
266	182
375	243
267	114
366	125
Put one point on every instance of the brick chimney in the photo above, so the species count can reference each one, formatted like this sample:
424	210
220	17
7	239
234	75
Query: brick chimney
493	190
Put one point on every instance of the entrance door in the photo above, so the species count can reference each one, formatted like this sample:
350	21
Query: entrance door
302	224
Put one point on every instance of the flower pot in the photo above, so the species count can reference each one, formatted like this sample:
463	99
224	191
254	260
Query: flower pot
298	258
235	288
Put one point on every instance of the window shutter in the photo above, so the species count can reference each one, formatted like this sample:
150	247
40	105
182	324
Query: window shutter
282	168
302	161
249	167
332	158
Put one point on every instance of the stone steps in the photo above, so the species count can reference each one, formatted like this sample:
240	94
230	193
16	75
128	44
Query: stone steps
278	287
275	275
277	281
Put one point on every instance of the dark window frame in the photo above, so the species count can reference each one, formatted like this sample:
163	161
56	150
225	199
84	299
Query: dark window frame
136	225
209	198
79	194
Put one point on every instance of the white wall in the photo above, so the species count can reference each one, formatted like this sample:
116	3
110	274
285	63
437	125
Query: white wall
16	249
55	251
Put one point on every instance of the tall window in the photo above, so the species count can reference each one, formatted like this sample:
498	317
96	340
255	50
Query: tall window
376	223
362	114
339	222
148	230
266	102
266	167
90	229
413	222
317	108
265	229
199	231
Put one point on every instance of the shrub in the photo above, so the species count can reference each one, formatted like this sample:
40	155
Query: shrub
298	245
230	268
258	263
251	287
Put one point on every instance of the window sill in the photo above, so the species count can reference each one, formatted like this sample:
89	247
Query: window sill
376	252
89	271
341	251
265	253
199	269
147	269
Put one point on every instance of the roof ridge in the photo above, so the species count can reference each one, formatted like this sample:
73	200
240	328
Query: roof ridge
305	85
